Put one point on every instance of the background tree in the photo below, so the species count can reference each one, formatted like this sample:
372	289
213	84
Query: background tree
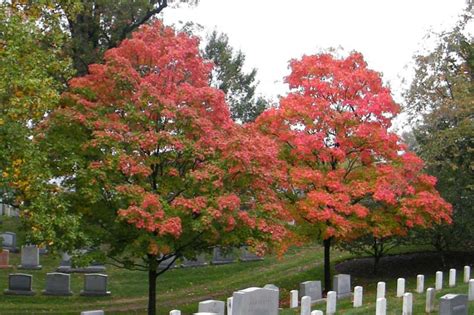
145	156
94	25
440	101
333	132
33	71
228	75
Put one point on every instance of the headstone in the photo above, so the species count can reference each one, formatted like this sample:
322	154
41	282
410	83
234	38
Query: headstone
407	308
65	266
246	255
58	284
5	259
331	303
255	301
380	290
293	298
342	285
272	287
453	304
219	258
229	306
311	289
305	305
381	307
204	313
317	312
200	261
19	284
420	284
452	277
167	262
212	306
358	294
9	241
430	300
175	312
29	257
96	312
439	281
467	274
471	290
95	284
400	287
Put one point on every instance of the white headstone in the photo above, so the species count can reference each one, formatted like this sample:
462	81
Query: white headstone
381	307
430	300
380	290
407	308
175	312
331	303
293	298
305	305
452	277
400	287
342	285
467	274
212	306
255	301
358	293
420	284
317	312
439	280
471	290
229	306
96	312
311	289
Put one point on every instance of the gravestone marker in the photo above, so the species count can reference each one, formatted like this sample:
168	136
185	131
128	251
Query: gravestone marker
255	301
311	289
430	300
439	281
452	278
305	305
380	290
5	259
471	290
358	294
58	284
229	306
212	306
19	284
467	274
293	298
381	307
400	287
342	286
453	304
29	257
407	308
420	283
95	284
175	312
8	241
96	312
246	255
200	261
331	303
317	312
219	258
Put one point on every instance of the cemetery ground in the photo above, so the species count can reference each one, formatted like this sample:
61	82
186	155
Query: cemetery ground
184	288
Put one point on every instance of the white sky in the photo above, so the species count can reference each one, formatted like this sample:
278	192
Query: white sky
271	32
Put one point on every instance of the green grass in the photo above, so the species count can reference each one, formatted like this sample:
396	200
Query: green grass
184	288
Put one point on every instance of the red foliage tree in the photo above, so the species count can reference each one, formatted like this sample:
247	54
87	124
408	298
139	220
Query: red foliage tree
152	164
348	174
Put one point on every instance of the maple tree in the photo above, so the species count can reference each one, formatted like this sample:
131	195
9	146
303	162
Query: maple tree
146	158
348	175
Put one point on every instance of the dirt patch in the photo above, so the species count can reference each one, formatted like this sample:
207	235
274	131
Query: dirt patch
406	265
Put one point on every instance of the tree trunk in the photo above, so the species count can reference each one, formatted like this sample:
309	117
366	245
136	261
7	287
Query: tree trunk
327	265
152	275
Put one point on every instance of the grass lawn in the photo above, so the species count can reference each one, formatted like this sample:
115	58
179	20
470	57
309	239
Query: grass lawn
184	288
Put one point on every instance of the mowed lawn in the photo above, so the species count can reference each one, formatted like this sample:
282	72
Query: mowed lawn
184	288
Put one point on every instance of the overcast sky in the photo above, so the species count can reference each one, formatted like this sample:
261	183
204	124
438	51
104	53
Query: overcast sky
271	32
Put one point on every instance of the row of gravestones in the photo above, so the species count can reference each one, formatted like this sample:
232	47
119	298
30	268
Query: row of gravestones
58	284
8	210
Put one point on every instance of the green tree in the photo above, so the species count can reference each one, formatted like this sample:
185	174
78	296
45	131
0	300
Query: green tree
95	25
228	75
440	101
